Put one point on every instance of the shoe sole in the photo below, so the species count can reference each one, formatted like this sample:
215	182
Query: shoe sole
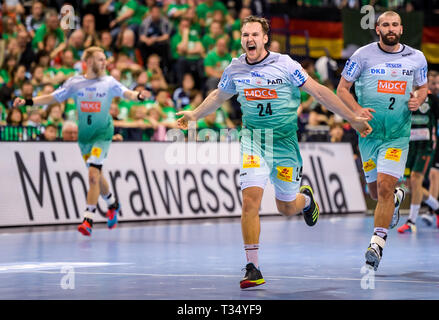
315	214
84	230
251	283
372	260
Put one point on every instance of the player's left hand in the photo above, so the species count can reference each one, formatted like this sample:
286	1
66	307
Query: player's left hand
362	126
413	102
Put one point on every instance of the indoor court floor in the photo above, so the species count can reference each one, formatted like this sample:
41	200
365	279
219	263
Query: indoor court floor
202	260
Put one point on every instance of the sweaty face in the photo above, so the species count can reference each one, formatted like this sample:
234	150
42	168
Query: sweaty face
253	41
390	30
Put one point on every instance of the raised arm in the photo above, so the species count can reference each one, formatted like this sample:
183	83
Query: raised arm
37	101
212	102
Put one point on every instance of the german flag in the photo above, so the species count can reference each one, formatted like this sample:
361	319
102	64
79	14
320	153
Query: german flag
319	29
430	43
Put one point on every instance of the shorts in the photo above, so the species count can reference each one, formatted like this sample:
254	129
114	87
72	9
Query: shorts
279	161
95	152
419	159
383	156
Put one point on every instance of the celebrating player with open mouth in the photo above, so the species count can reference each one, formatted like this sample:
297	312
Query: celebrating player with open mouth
268	87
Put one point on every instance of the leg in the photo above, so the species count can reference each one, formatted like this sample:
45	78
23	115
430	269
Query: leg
94	177
386	204
251	229
373	190
250	223
434	182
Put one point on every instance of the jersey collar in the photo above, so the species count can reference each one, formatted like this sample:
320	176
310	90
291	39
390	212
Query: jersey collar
254	63
400	51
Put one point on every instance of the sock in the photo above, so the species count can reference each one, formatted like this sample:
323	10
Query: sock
432	203
109	199
89	211
307	201
414	211
251	252
381	232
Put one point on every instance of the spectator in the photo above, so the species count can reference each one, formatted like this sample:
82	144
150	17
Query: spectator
130	13
35	19
215	63
183	95
89	30
114	112
15	117
176	10
8	66
50	133
215	32
51	25
9	28
55	115
126	44
26	92
70	131
205	11
25	52
237	24
76	43
188	52
154	35
35	118
153	69
106	44
166	105
37	79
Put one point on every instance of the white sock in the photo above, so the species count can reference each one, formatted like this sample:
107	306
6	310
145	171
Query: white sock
381	232
414	211
109	199
89	214
432	203
251	252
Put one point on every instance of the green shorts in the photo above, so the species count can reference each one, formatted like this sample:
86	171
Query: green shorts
95	152
279	161
383	156
419	159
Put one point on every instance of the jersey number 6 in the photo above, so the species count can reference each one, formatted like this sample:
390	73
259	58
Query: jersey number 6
89	119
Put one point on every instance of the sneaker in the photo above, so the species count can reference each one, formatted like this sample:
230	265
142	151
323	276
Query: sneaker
311	215
407	227
399	198
427	218
253	277
86	227
374	252
113	210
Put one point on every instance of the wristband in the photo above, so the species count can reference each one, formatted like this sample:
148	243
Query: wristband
139	98
29	102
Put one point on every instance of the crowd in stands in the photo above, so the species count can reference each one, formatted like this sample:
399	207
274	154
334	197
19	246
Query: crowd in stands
176	49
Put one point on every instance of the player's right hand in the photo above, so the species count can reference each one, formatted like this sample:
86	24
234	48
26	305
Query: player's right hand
18	102
362	126
366	113
187	116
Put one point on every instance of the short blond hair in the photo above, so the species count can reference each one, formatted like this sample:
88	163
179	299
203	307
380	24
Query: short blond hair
89	52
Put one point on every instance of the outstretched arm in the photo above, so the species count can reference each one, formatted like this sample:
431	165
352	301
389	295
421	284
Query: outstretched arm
327	98
212	102
37	101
